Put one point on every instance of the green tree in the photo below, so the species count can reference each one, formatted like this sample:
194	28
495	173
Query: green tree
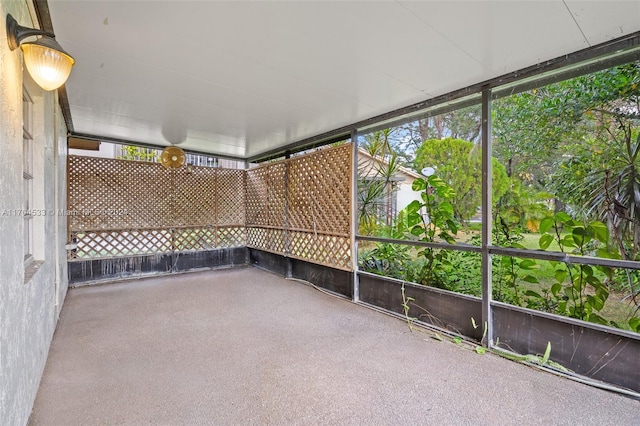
464	123
535	130
521	207
580	140
459	164
601	176
136	153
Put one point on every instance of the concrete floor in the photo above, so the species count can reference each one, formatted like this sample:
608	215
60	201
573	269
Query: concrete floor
245	346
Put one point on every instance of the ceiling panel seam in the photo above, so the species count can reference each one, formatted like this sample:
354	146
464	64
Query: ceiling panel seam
576	22
473	58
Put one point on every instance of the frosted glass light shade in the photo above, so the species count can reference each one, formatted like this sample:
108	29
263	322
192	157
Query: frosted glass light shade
48	64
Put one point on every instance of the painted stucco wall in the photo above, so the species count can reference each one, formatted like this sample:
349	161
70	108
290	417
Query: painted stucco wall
28	308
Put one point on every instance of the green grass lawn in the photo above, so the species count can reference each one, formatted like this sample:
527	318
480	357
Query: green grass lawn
530	241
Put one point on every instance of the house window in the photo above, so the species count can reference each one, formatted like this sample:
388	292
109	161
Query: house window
386	204
27	174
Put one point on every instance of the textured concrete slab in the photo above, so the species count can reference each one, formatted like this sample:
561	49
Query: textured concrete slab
244	346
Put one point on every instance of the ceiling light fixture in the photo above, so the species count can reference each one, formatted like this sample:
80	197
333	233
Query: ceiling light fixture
173	157
47	62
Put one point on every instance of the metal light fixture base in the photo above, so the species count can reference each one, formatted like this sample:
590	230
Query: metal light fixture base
16	33
44	58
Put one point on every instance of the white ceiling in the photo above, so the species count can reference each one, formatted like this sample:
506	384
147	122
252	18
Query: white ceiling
241	78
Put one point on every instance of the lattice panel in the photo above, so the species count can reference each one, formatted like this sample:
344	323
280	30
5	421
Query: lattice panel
232	236
126	198
193	196
319	191
266	195
116	194
298	207
330	250
110	243
231	197
191	239
267	239
257	196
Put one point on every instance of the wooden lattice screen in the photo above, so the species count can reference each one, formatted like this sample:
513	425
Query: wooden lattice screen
298	207
121	208
301	207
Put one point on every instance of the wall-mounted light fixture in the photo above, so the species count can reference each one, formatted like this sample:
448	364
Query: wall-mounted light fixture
47	62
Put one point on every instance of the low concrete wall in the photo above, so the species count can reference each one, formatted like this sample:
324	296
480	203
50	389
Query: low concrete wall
87	271
335	280
441	308
602	353
270	261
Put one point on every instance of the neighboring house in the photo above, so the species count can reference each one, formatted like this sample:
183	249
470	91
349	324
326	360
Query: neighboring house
397	194
97	149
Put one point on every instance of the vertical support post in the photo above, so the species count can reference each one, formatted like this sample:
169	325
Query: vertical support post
289	273
245	186
216	206
287	243
172	215
354	213
486	216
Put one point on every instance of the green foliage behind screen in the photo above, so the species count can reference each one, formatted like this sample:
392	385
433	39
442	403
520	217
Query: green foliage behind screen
459	164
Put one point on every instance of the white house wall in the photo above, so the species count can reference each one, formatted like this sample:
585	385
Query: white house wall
28	308
406	195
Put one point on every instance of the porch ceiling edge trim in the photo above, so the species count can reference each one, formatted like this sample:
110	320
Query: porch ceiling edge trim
41	8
